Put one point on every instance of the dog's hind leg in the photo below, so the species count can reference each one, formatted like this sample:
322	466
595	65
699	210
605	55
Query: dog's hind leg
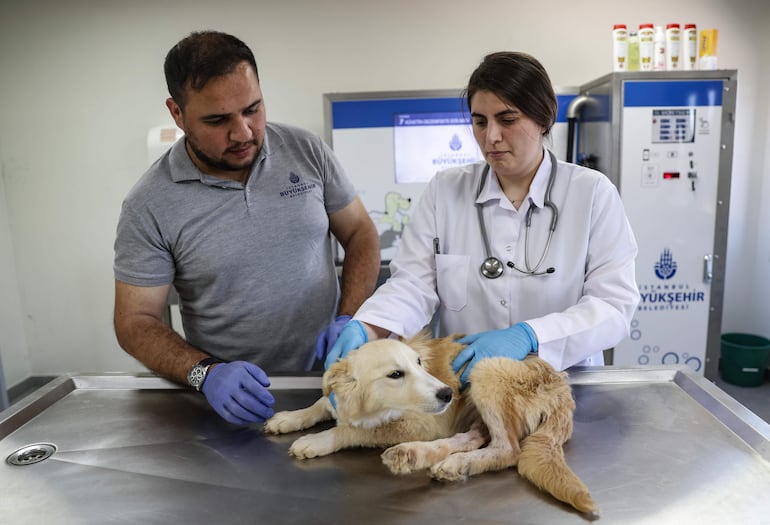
417	455
542	462
501	453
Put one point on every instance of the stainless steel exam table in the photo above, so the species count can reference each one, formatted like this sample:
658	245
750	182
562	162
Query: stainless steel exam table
655	446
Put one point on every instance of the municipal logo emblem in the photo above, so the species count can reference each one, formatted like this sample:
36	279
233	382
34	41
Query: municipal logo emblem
665	268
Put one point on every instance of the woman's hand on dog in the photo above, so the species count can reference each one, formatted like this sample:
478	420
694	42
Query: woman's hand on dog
515	342
353	335
238	392
329	336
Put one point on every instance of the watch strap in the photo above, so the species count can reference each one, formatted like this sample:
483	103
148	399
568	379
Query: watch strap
209	361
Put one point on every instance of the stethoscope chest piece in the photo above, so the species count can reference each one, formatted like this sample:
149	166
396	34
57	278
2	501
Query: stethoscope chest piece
492	268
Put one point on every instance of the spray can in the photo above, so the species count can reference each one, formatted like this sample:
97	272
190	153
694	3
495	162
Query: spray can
646	36
690	47
659	50
673	47
619	47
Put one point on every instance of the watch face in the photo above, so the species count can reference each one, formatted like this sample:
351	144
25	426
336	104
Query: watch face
196	375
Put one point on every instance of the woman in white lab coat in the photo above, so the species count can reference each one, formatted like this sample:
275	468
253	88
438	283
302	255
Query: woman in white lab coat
567	295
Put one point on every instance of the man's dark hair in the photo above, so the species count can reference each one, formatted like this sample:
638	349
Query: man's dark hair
201	56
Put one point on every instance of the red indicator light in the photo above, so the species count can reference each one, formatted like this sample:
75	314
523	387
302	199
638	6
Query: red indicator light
671	175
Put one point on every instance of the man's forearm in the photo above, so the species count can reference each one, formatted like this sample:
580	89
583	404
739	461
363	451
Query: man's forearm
360	270
158	347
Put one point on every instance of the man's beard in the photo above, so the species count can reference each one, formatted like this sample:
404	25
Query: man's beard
217	164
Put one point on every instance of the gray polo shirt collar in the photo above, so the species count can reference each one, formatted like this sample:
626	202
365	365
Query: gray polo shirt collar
183	169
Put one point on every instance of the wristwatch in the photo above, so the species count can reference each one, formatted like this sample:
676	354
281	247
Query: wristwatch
197	374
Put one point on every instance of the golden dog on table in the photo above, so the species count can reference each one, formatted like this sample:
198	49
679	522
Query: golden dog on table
404	395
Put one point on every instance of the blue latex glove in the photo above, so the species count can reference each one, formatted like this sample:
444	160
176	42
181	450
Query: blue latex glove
514	342
352	336
238	393
329	336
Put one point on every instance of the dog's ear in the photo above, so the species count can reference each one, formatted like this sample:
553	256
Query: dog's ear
336	377
339	380
419	342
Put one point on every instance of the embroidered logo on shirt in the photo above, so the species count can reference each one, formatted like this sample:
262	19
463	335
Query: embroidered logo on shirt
297	187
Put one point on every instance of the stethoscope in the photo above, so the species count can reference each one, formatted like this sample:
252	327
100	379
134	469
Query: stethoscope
492	267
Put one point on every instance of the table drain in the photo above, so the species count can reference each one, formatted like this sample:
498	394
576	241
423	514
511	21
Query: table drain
31	454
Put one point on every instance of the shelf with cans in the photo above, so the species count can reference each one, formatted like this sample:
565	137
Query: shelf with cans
673	47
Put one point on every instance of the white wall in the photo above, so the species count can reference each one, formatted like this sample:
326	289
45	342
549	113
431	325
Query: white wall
81	83
13	341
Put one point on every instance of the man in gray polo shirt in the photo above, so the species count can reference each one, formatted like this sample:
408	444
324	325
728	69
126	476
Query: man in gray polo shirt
236	216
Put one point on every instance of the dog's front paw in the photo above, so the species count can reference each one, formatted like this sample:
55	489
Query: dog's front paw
454	468
400	459
313	445
406	458
283	423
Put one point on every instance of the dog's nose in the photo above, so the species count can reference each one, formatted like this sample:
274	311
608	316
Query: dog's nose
444	395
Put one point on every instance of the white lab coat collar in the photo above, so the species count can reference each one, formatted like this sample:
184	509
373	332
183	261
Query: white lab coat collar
492	189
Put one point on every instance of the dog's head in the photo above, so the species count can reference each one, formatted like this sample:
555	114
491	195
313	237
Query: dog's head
382	380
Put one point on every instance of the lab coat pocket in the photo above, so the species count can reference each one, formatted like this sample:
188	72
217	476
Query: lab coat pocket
452	280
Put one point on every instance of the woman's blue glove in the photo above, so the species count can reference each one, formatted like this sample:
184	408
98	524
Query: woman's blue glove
514	342
238	392
352	336
329	336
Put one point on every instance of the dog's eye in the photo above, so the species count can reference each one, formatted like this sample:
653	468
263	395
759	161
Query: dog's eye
396	374
419	362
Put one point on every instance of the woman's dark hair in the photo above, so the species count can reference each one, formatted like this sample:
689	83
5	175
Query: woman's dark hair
518	79
201	56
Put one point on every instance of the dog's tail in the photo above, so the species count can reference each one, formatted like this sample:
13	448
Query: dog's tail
542	462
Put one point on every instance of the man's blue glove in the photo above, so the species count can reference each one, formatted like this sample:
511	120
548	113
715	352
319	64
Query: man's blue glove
238	393
329	336
352	336
514	342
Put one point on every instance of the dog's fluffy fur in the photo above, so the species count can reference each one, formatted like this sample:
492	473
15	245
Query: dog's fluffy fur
404	395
